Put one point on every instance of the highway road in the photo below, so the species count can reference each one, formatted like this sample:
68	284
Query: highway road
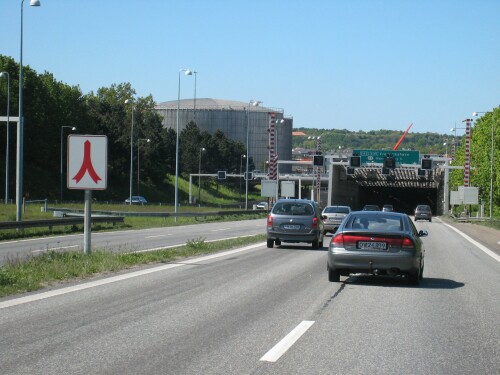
256	310
132	240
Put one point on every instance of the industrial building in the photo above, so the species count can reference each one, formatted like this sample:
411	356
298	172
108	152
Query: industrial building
235	119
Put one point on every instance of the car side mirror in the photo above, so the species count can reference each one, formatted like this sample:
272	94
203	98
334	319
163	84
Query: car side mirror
423	233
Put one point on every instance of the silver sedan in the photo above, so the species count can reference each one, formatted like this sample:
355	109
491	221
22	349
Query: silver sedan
377	243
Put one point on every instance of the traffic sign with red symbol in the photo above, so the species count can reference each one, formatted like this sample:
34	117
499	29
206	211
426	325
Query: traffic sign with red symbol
87	162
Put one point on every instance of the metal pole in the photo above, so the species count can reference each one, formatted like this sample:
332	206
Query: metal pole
131	153
87	222
20	127
8	136
61	170
177	147
491	162
248	157
20	124
138	166
254	103
194	102
199	173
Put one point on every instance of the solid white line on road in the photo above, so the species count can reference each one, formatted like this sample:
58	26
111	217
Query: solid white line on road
92	284
159	235
219	230
282	347
480	246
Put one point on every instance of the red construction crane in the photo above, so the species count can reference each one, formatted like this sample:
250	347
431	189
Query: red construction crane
402	137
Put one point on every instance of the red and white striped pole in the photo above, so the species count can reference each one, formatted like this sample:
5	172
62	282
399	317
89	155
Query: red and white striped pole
468	123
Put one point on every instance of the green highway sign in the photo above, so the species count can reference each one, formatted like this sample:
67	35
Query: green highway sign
377	156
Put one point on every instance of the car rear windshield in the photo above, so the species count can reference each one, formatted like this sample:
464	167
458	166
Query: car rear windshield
337	209
423	208
375	222
293	208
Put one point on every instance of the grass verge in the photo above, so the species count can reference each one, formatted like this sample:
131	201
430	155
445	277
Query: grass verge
45	270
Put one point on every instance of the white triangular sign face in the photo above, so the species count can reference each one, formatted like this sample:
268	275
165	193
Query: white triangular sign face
87	162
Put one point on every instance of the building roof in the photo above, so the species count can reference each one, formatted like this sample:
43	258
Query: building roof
209	103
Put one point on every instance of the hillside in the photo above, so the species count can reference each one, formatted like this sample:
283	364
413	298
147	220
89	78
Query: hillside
332	139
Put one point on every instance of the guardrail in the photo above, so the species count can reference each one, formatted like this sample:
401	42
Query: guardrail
58	222
67	211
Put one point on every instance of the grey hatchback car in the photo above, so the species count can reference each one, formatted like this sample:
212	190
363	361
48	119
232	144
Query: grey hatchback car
295	220
377	243
423	212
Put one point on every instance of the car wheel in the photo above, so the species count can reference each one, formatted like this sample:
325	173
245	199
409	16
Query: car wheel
414	278
315	244
421	273
430	220
320	243
333	276
277	242
270	243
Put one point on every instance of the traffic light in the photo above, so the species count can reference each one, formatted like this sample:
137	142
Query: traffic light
355	161
350	171
421	172
318	160
389	161
248	175
221	175
426	163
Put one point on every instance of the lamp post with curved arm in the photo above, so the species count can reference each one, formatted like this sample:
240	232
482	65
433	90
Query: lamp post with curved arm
3	74
176	203
254	103
20	124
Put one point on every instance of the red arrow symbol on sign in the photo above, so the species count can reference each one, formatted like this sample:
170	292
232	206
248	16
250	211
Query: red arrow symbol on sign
86	165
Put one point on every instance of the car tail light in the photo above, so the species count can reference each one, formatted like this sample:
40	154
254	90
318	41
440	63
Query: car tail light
269	221
315	223
338	240
408	244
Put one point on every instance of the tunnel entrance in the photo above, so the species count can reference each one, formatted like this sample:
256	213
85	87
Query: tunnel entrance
404	188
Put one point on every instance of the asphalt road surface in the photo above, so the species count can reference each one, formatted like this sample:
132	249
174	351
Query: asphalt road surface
265	311
132	240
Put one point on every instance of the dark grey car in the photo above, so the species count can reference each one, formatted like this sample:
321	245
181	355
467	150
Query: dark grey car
295	220
377	243
423	212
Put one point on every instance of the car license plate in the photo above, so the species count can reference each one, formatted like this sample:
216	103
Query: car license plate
290	226
370	245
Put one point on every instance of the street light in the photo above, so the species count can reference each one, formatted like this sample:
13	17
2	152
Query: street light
241	169
6	74
139	161
131	149
254	103
176	203
199	173
61	173
475	114
446	148
20	124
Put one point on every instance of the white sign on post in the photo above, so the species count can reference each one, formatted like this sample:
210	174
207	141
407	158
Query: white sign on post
87	170
87	162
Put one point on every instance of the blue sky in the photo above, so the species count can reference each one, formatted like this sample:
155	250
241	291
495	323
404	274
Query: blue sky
343	64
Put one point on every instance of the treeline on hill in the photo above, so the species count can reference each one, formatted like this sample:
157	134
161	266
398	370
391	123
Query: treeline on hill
332	139
51	108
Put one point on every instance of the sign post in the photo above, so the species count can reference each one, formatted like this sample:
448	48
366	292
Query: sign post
87	170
